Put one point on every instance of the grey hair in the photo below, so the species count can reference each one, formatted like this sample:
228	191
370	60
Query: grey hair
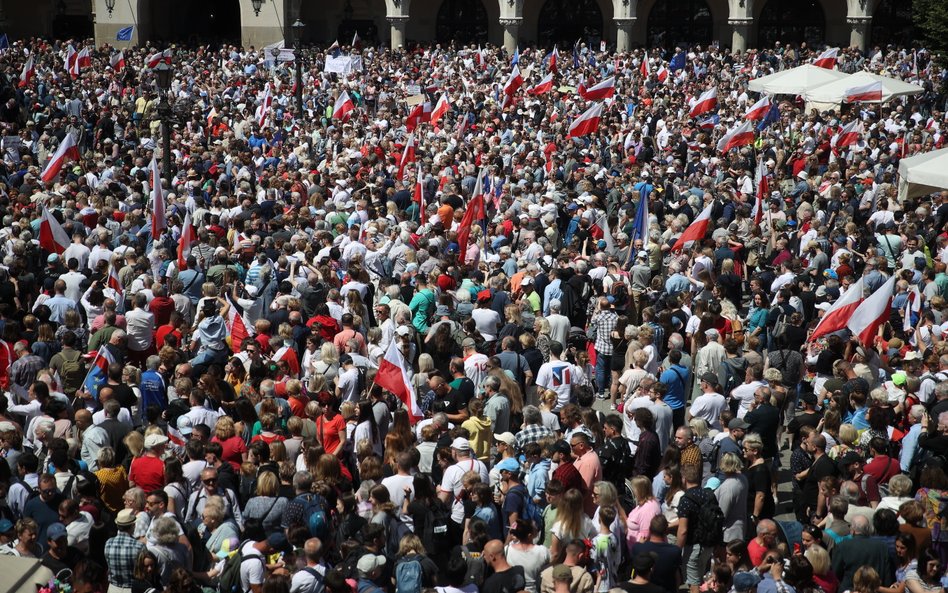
676	342
492	382
917	412
302	481
861	525
166	531
153	362
941	391
850	491
532	415
441	419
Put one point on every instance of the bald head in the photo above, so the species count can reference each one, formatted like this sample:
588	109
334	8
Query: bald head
83	419
313	548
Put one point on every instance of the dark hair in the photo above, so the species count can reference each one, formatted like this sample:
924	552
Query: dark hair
885	523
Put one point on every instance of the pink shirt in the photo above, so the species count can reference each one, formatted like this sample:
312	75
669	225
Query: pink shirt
591	471
638	521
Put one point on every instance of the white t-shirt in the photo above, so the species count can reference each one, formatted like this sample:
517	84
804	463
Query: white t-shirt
558	376
475	367
744	393
451	482
348	383
251	571
396	489
302	581
488	322
709	406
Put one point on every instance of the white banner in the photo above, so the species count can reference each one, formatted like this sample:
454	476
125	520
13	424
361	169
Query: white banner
343	64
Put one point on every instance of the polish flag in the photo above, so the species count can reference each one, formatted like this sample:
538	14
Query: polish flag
542	87
419	114
408	156
742	135
158	57
836	316
913	307
392	377
866	93
158	222
827	59
84	58
72	61
587	123
513	83
114	282
603	90
695	231
67	150
758	110
474	213
238	326
419	196
263	110
440	108
554	57
52	237
705	103
117	61
479	57
184	243
762	180
662	74
26	76
872	313
643	68
850	134
342	107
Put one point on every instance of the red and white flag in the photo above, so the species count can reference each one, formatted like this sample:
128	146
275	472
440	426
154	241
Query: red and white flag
114	282
850	134
643	67
440	108
827	59
266	102
554	58
513	83
52	237
84	58
762	183
392	377
480	59
117	61
662	74
474	213
598	92
838	315
67	150
158	222
913	307
184	243
343	106
421	113
238	325
158	57
587	123
872	313
705	103
866	93
26	75
542	87
419	196
758	110
741	135
695	230
408	156
72	61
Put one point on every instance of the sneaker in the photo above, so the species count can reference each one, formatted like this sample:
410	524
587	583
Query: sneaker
613	407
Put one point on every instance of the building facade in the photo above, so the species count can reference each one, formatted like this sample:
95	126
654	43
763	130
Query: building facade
624	24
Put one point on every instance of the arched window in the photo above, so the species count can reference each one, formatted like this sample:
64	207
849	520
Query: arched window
564	22
462	21
892	23
791	21
679	22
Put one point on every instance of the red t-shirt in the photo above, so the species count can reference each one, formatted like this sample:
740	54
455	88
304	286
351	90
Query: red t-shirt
882	468
163	331
161	308
148	473
327	431
232	450
756	552
298	406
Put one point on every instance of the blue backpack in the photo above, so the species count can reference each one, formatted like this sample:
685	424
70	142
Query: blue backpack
530	510
314	513
408	576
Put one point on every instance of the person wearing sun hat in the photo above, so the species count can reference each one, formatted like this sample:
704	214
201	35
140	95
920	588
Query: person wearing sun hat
121	553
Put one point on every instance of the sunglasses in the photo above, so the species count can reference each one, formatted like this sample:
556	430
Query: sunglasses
210	481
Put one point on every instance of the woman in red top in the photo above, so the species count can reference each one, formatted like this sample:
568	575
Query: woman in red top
234	448
331	428
268	424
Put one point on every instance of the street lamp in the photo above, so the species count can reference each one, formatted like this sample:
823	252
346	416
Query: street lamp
163	78
110	5
257	4
298	43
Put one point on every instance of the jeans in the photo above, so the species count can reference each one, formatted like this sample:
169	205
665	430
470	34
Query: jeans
603	371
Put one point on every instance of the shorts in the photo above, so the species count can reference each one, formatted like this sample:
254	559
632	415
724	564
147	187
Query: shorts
695	559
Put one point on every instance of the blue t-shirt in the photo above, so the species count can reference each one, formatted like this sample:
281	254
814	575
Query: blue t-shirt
676	378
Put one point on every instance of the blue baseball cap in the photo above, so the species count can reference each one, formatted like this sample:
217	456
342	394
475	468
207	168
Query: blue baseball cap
55	531
508	465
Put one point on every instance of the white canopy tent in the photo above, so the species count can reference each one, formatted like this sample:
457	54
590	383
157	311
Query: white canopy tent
795	81
923	174
833	92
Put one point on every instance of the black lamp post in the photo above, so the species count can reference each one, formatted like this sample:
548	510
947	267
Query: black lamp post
298	44
163	74
110	5
257	4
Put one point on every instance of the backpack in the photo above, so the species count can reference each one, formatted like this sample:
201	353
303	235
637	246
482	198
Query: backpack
314	510
530	510
731	378
395	531
71	373
780	328
408	575
435	536
708	521
619	292
229	580
86	483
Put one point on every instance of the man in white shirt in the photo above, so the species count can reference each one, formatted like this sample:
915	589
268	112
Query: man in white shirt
559	324
347	383
140	327
308	579
73	279
450	489
744	393
710	404
402	482
475	363
558	375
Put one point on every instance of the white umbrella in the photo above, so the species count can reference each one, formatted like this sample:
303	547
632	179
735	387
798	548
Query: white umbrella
795	81
835	91
923	174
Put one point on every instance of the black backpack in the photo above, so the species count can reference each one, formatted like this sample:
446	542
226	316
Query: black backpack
435	534
708	522
229	581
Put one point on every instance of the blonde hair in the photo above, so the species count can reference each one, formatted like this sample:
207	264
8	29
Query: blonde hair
730	463
819	559
224	428
347	410
329	354
135	442
848	434
699	426
753	441
267	484
642	489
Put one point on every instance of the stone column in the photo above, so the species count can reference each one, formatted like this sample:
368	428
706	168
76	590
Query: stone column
859	31
398	23
624	32
511	33
740	30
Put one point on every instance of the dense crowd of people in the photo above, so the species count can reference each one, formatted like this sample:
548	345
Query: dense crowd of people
301	363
